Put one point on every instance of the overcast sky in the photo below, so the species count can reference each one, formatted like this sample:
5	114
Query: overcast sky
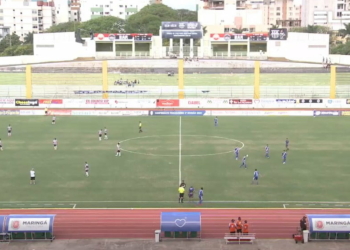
191	4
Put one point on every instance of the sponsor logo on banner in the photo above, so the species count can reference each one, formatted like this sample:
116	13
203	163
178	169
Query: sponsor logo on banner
9	112
178	113
59	112
329	223
241	101
327	113
194	102
102	101
261	113
319	224
50	101
347	101
26	102
345	113
310	101
168	103
32	112
29	224
7	101
286	101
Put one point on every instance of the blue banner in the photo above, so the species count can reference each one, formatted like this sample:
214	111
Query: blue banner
89	92
178	113
285	100
180	222
30	223
329	223
2	224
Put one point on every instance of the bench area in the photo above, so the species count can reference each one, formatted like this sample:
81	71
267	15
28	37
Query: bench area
239	238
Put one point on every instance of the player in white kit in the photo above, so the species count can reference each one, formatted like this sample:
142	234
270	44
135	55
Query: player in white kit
32	176
118	150
106	132
53	120
86	169
1	148
9	130
55	143
100	135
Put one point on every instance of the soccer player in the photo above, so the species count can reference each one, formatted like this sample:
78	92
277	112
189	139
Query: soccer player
86	169
190	192
106	136
287	144
140	127
100	135
237	153
1	145
244	162
284	156
32	176
200	196
55	143
118	149
256	177
267	151
216	121
53	120
9	130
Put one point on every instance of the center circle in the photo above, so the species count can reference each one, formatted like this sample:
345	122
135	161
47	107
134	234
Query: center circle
156	144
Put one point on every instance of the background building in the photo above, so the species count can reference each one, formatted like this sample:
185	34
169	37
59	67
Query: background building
120	8
155	1
331	13
256	16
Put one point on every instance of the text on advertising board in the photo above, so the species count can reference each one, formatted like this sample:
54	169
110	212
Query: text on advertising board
278	34
329	222
7	101
51	101
310	101
241	101
102	101
168	103
29	224
26	102
181	26
9	112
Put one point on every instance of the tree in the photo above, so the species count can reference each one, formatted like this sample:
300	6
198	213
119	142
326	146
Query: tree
29	38
187	15
240	30
103	24
63	27
346	31
341	49
274	26
149	19
25	49
9	41
311	29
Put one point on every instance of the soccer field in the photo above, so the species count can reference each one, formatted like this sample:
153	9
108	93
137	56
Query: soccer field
173	148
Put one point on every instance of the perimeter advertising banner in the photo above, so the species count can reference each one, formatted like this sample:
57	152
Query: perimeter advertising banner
179	113
182	30
180	222
328	223
30	223
26	102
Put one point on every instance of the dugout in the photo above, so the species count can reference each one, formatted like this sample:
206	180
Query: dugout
4	236
30	227
180	225
326	227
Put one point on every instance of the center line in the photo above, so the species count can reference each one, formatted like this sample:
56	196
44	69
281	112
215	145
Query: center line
180	148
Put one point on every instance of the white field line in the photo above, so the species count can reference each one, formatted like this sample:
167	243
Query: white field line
180	149
285	206
74	205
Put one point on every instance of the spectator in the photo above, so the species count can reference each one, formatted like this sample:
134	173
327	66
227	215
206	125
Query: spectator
239	225
245	227
303	225
232	226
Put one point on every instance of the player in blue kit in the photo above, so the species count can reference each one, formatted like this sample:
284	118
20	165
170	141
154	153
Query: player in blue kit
200	196
216	121
287	144
244	162
190	192
256	177
267	151
237	153
284	156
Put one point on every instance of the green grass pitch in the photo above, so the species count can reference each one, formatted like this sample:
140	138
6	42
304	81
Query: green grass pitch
317	167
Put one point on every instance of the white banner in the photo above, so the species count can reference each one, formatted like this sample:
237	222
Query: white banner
261	113
29	224
109	112
329	223
32	112
108	103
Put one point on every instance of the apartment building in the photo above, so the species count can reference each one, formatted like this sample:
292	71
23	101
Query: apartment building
24	16
331	13
120	8
255	15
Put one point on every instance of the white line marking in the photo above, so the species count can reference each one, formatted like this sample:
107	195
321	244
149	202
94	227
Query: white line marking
180	148
74	205
201	155
285	205
61	204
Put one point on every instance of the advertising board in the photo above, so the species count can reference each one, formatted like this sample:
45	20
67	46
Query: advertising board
26	102
329	223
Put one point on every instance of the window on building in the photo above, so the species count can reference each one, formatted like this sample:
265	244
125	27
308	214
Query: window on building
111	10
106	5
315	7
291	13
226	30
35	26
75	14
326	7
21	13
290	8
34	12
278	8
278	14
120	6
75	19
339	14
14	25
340	6
120	13
106	13
21	20
58	12
1	11
21	27
251	29
1	18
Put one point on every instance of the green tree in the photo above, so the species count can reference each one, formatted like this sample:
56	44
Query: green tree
274	26
9	41
346	31
29	38
63	27
9	51
240	30
25	49
149	19
187	15
341	49
103	24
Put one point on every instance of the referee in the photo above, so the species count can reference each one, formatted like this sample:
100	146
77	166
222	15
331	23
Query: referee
181	194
